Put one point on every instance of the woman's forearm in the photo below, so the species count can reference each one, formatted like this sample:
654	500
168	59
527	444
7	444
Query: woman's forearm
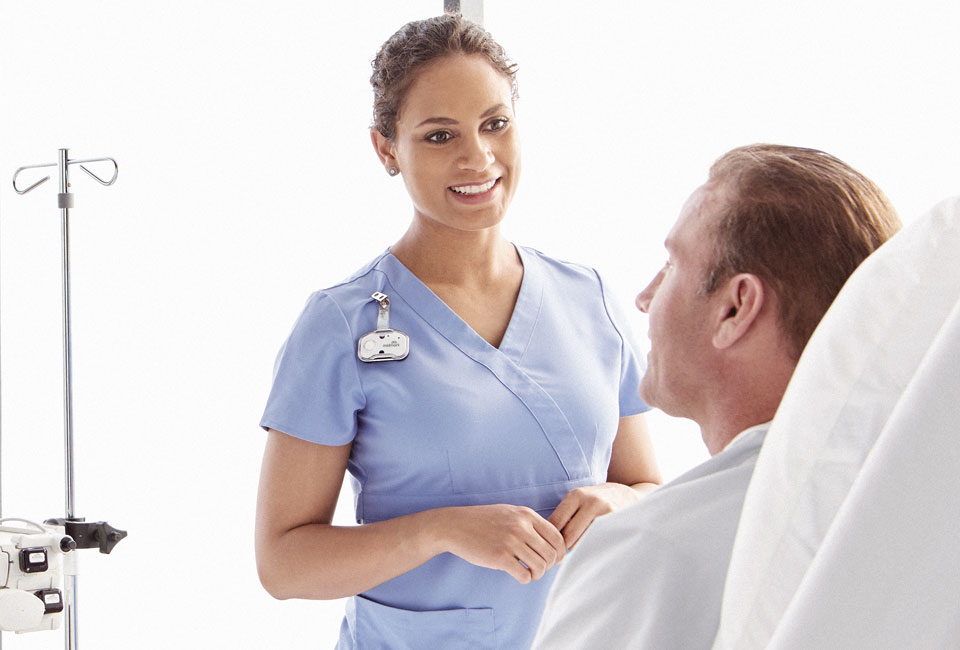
645	488
323	561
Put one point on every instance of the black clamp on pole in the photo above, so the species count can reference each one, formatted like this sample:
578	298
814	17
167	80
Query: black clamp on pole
88	534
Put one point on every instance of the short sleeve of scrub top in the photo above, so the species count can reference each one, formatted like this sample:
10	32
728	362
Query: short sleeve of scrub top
316	389
459	423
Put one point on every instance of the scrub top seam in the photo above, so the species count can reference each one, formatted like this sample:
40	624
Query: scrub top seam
503	491
353	338
534	320
624	346
266	425
358	509
361	272
606	310
543	427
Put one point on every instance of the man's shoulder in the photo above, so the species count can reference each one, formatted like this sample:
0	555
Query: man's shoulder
669	552
708	497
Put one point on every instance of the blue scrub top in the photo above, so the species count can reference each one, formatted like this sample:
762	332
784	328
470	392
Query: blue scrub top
458	422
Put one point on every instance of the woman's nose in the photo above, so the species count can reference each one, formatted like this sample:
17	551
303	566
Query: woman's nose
476	155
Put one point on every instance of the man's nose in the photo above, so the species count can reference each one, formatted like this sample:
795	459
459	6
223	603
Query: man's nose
645	296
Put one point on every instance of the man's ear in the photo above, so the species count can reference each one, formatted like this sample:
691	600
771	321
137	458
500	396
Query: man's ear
384	148
740	302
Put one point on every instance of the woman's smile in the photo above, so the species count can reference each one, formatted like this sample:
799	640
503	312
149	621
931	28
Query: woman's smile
474	192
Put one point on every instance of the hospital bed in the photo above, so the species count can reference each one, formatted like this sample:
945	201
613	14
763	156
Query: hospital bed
850	533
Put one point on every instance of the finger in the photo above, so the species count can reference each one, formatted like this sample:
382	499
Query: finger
552	536
545	549
516	569
534	562
576	527
563	512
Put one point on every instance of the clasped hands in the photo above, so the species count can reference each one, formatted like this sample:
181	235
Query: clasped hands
517	540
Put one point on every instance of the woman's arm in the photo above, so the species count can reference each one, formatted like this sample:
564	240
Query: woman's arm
633	461
632	473
301	555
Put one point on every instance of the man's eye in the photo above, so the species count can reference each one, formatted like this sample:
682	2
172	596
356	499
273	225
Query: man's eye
439	137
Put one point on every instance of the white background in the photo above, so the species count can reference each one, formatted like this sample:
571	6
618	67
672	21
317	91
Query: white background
247	181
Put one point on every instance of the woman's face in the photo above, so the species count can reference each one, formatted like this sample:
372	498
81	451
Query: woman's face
456	143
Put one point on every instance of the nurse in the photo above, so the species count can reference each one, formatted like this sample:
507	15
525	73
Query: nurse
481	395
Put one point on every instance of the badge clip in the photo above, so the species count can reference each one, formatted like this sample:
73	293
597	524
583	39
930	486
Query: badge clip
383	343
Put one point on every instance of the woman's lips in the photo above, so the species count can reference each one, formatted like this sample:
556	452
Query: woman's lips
474	192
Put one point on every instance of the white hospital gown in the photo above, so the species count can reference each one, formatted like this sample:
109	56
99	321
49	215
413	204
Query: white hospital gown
651	576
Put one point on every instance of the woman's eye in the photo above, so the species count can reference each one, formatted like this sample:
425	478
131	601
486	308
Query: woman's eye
439	137
497	124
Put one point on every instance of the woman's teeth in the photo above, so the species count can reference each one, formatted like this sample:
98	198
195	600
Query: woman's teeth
474	189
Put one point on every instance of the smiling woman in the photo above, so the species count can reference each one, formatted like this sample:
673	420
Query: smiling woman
481	455
456	146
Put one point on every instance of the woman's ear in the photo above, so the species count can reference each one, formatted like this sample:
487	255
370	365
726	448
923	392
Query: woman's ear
740	302
384	148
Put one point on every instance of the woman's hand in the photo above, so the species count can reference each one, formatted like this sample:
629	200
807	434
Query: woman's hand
510	538
584	504
632	473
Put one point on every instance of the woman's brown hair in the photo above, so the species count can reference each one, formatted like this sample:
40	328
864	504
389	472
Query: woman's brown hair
416	44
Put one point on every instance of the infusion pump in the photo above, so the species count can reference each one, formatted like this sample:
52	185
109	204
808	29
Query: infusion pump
33	561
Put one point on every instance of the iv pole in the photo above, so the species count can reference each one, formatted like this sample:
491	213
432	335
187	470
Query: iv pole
87	535
472	10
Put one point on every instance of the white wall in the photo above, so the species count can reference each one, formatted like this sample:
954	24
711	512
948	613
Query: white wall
247	180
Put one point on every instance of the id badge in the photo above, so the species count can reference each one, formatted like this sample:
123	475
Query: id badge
383	343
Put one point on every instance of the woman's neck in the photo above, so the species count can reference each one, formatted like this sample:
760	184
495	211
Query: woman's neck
442	256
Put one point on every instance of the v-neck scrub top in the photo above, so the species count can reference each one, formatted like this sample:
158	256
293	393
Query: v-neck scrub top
458	422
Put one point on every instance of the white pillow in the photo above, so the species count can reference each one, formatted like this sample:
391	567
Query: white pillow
811	549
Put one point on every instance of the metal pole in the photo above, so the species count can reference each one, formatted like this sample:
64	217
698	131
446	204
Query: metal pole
70	638
65	202
472	10
1	406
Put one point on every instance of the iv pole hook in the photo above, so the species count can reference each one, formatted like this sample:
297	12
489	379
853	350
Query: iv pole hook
116	170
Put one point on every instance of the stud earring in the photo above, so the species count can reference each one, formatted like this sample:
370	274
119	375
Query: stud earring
393	171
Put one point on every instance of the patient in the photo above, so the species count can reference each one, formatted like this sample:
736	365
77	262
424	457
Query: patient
755	258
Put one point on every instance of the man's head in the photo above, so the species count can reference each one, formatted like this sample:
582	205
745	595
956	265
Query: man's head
755	259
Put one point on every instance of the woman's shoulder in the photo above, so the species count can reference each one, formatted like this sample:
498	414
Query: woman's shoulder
570	274
582	287
347	297
368	278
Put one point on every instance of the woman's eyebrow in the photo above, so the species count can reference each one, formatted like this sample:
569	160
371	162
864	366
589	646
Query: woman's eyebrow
493	110
437	120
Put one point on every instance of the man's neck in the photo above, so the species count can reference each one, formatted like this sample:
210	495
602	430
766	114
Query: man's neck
729	420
